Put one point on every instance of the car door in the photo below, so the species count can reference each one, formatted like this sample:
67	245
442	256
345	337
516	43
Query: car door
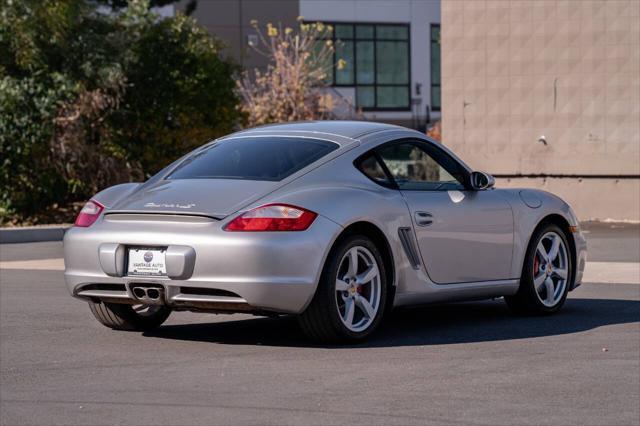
463	235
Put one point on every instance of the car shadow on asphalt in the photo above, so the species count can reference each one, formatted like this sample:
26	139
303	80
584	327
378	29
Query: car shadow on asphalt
428	325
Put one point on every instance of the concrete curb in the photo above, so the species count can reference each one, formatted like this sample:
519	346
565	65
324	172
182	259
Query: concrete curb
32	234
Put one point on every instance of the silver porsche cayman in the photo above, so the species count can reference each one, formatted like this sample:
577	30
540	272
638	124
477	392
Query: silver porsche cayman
335	222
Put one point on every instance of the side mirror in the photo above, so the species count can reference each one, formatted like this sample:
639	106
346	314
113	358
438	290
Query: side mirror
482	180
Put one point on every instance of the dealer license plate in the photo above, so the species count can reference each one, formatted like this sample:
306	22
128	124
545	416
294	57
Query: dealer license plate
147	261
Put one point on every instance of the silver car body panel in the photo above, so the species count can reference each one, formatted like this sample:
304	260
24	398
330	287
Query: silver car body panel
474	249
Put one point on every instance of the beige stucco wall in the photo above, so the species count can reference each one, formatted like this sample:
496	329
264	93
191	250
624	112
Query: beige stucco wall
569	70
591	199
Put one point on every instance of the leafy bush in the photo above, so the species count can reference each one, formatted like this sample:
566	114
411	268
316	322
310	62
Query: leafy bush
26	104
89	99
435	131
293	87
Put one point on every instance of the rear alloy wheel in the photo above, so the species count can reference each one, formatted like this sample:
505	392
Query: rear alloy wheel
350	299
358	289
129	317
546	274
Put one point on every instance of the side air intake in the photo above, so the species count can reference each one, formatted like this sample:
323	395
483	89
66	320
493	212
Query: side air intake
406	238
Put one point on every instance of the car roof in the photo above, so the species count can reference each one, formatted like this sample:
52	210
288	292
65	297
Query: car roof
347	129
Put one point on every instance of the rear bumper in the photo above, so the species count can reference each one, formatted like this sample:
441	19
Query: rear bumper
232	297
239	271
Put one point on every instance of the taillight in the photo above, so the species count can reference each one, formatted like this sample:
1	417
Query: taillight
273	217
89	214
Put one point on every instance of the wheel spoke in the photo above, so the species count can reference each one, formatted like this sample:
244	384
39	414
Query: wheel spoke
365	306
341	285
353	262
368	275
560	273
555	246
539	281
550	289
542	252
349	310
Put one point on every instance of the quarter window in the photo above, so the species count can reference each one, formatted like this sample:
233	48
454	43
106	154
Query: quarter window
371	168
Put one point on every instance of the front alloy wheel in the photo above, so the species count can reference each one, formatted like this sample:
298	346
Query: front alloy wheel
550	269
546	273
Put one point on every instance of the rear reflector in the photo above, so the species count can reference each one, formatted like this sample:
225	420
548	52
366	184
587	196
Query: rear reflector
273	217
89	214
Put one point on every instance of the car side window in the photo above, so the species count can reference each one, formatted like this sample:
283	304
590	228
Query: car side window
370	166
413	167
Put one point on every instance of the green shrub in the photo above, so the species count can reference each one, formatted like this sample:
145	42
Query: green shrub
89	99
28	106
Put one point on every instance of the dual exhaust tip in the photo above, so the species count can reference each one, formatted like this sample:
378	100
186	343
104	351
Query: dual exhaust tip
148	295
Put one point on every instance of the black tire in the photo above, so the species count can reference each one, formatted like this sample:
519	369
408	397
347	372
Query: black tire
321	320
124	317
527	301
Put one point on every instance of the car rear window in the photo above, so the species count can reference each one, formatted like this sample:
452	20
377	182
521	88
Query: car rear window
257	158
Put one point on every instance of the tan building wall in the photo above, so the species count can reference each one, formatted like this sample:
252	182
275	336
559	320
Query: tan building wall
513	71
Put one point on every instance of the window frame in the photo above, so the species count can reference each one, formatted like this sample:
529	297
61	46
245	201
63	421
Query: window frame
374	40
426	146
432	84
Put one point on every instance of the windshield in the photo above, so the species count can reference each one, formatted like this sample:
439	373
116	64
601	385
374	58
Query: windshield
253	158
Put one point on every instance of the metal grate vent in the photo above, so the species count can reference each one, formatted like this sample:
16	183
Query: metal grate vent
406	238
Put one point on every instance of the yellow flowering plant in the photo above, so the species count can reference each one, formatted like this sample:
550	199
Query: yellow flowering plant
294	85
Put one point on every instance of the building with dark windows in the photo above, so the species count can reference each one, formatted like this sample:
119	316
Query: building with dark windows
391	48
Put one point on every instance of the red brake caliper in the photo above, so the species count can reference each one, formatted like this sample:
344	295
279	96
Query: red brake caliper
536	265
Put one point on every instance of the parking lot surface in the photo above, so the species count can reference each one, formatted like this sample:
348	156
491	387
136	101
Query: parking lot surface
467	363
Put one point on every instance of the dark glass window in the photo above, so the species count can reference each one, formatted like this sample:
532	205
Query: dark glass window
417	166
435	67
344	31
366	97
364	31
258	158
371	167
376	62
344	51
392	32
364	62
391	96
391	66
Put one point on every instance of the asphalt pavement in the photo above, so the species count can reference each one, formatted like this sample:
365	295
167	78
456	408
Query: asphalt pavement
467	363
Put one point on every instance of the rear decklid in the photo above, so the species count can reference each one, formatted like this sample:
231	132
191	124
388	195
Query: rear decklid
202	197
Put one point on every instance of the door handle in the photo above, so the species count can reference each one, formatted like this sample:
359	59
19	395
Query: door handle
423	218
